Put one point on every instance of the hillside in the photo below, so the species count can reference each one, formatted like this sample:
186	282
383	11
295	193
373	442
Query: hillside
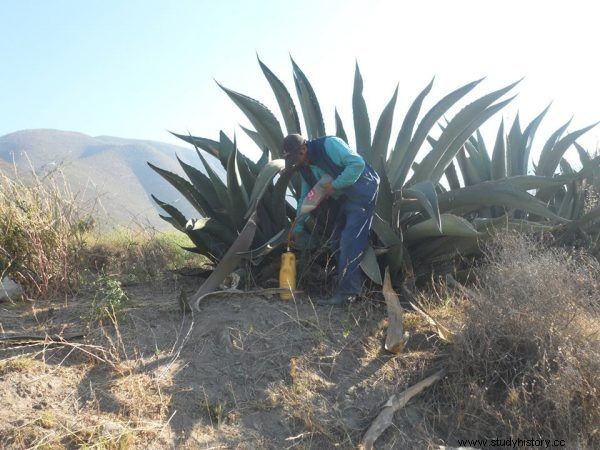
111	168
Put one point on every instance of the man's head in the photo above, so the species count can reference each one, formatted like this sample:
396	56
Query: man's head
295	150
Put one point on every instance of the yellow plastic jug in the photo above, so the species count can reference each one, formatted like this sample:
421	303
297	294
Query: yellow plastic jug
287	275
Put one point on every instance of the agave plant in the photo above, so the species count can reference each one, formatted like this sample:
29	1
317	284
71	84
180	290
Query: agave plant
426	214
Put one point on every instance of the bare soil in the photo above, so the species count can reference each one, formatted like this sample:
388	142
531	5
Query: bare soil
245	372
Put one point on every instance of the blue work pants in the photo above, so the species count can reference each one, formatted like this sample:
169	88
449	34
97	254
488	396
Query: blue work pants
351	237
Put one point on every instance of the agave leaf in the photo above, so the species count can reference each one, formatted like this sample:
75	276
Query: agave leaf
424	128
385	232
505	223
452	176
385	199
266	248
579	202
284	100
484	162
527	142
431	141
476	161
457	132
258	140
205	144
450	153
362	126
424	192
206	244
173	222
499	155
395	257
481	145
381	138
225	148
246	174
584	156
531	182
339	127
185	188
444	247
565	167
228	263
313	119
261	118
467	168
264	159
451	226
203	185
548	165
263	181
513	144
238	198
396	338
370	267
491	193
280	205
212	227
566	206
397	157
550	143
178	220
217	182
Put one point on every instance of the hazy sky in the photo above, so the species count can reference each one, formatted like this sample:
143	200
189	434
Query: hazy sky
139	68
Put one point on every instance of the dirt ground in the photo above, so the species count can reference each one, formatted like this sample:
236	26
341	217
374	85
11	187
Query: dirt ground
245	372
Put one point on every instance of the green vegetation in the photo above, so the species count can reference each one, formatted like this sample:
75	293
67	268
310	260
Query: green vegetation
429	211
109	297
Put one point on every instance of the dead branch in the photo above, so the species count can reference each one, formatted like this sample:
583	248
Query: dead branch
444	333
228	263
18	340
451	281
394	403
396	337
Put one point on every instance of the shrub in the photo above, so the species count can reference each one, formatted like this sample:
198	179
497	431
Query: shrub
527	363
109	298
41	232
138	255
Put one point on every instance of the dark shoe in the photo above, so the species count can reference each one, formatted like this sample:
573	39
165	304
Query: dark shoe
338	300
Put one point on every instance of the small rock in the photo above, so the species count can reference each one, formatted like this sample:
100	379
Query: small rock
9	290
112	429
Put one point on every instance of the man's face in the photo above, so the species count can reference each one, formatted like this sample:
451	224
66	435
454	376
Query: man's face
295	159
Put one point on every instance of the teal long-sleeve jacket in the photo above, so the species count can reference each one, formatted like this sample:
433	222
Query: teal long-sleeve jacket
342	155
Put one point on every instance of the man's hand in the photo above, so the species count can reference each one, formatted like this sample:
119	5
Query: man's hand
329	189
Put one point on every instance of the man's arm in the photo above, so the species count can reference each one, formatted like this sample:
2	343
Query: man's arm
300	219
342	155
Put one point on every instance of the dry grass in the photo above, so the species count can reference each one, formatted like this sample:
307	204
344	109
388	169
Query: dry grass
138	255
141	397
49	244
108	371
41	232
527	362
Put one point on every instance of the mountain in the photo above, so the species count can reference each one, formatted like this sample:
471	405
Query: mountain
111	169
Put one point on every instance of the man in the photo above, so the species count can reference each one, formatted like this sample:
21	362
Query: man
355	184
